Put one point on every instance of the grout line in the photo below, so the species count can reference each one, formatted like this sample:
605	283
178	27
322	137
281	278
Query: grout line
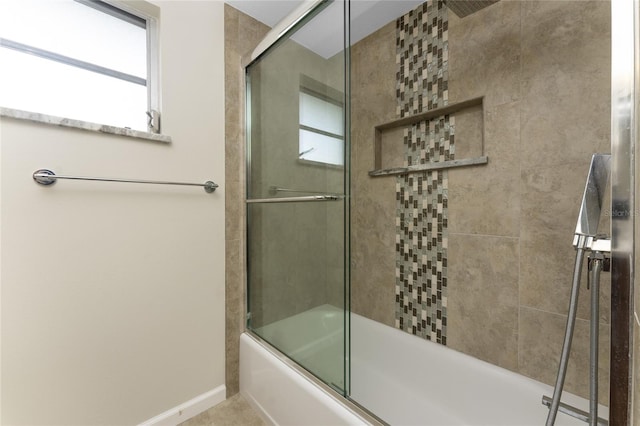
520	189
559	314
483	235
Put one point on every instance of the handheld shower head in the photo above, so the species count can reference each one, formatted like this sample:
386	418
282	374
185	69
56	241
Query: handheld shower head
593	197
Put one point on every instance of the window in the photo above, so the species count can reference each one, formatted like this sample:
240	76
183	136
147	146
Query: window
84	59
321	137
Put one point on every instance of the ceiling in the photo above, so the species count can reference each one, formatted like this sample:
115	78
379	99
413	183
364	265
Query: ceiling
269	12
323	34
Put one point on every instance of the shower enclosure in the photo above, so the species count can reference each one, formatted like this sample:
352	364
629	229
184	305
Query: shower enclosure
416	167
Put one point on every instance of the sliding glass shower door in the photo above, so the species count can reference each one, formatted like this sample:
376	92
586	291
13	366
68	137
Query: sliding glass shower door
297	205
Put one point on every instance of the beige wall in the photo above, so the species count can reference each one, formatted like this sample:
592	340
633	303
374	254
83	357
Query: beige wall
543	68
242	33
373	211
113	295
547	110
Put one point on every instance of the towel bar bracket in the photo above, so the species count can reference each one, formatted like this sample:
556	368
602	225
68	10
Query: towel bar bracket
42	177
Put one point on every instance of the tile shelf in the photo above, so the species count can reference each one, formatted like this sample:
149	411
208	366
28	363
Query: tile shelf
406	121
430	166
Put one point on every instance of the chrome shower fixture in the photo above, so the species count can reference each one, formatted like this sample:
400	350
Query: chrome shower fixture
592	201
586	239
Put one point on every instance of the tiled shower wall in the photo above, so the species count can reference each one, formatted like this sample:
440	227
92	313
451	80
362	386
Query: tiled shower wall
421	198
241	34
543	69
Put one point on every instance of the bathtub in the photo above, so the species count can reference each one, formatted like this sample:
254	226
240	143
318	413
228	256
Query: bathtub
402	379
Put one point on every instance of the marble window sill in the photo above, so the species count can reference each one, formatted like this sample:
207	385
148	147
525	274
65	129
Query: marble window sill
83	125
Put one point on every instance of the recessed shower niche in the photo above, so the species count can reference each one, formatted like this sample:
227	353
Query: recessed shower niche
441	138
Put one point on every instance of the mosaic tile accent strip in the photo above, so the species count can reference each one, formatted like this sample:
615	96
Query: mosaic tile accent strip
422	58
421	198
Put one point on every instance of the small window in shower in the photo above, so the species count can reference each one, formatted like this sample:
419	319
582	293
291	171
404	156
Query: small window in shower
85	60
321	137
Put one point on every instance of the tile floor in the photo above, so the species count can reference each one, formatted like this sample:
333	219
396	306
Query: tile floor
235	411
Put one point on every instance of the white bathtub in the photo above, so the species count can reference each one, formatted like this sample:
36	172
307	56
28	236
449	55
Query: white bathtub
402	379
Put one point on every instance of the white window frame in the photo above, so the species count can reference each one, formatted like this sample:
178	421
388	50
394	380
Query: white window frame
150	13
138	9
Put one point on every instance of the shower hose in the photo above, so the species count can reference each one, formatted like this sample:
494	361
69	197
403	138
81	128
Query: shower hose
597	266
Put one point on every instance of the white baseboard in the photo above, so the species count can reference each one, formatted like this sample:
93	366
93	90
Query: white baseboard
191	408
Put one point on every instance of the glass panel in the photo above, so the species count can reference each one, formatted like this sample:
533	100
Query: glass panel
296	250
275	83
296	287
468	259
321	148
48	87
80	32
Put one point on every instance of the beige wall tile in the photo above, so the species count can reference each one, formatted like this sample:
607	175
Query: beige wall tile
546	277
543	68
235	208
469	129
565	81
482	302
241	34
235	309
392	148
541	335
484	54
373	251
498	181
373	200
550	203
